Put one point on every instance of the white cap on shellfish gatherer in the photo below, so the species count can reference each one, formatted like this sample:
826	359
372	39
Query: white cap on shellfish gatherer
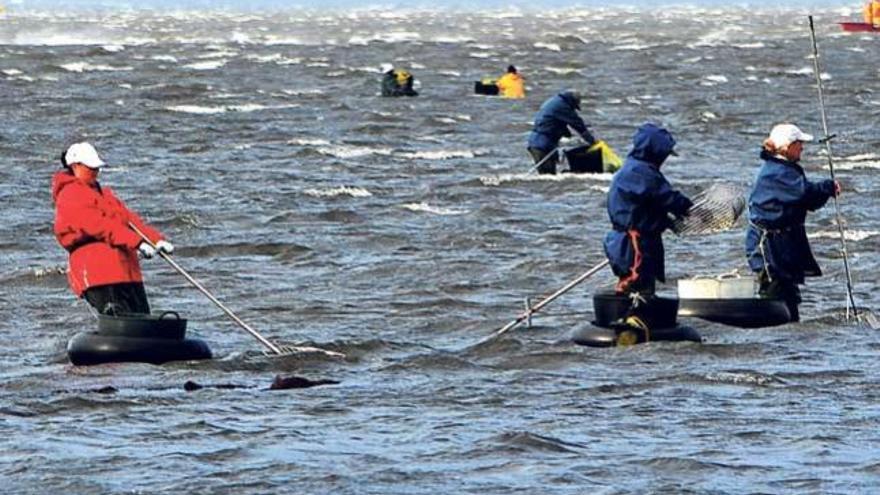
385	68
83	153
783	135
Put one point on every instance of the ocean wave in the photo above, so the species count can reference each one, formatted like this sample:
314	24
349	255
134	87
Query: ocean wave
562	71
348	151
480	55
206	110
498	180
87	67
303	92
164	58
850	235
808	71
276	40
308	142
451	39
206	65
438	154
12	72
713	80
436	210
865	160
217	54
553	47
354	192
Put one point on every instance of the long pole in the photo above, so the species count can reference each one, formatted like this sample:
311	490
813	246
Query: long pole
850	303
546	157
534	309
263	340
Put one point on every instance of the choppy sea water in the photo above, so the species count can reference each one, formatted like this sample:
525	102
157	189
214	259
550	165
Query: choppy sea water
402	231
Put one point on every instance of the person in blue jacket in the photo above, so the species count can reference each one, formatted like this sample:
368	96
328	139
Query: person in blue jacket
552	121
641	205
776	241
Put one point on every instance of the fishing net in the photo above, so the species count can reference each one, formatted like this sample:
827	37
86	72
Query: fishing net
715	209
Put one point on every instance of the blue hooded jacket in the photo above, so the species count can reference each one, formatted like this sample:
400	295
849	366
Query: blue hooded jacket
553	119
778	207
641	199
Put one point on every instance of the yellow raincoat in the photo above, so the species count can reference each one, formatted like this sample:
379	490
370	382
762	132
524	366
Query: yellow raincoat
511	85
872	13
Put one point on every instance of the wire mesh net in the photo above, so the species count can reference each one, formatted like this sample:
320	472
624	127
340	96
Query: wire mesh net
715	209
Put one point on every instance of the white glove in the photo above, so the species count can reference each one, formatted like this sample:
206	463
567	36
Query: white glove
164	247
146	250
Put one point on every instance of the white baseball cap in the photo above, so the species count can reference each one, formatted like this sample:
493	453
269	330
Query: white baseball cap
83	153
783	135
385	67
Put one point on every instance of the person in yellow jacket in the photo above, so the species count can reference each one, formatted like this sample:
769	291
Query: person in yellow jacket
872	13
511	85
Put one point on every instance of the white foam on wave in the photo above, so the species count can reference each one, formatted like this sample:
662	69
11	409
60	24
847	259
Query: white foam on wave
164	58
713	80
12	72
354	192
850	235
207	65
528	177
562	70
217	54
303	92
112	48
852	162
748	46
451	73
348	151
87	67
239	37
436	210
553	47
631	47
207	110
275	40
808	71
480	55
438	155
451	39
308	142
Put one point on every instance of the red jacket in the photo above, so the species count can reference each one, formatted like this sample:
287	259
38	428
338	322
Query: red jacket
91	223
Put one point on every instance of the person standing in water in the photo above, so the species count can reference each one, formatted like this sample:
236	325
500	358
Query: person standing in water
641	205
776	243
92	224
396	82
552	122
871	13
511	84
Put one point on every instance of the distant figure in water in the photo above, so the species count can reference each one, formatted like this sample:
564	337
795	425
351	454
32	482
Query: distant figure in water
511	84
552	121
641	205
396	82
871	13
91	223
776	241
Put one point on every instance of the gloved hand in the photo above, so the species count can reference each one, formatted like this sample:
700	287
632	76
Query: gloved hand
164	246
146	250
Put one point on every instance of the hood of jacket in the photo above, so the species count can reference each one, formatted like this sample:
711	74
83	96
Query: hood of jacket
571	99
652	144
60	180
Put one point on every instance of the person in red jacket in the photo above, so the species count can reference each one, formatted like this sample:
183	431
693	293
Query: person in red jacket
92	224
